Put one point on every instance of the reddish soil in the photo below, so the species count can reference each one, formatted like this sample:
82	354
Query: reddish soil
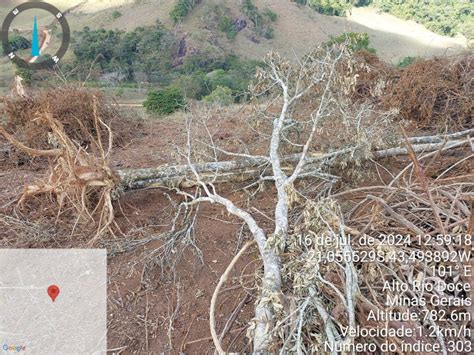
143	297
154	309
216	236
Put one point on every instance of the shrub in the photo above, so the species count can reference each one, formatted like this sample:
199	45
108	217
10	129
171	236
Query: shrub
164	101
119	91
260	20
328	7
356	41
360	3
226	26
267	33
182	8
18	42
221	96
116	14
404	62
192	85
25	74
218	77
270	15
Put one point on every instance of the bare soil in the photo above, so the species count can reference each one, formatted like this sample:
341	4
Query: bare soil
153	309
150	309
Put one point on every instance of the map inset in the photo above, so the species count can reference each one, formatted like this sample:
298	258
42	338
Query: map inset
53	301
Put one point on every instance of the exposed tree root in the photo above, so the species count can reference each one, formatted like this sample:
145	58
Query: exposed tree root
77	179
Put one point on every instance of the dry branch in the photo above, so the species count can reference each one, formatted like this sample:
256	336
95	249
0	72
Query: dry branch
28	150
222	280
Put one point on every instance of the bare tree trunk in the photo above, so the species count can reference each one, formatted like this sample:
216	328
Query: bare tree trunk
246	169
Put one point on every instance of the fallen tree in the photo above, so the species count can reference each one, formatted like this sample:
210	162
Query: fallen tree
294	283
85	181
254	168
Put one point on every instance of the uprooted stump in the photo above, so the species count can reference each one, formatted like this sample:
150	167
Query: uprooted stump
78	179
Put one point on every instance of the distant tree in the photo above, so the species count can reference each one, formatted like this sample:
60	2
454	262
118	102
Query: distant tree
405	62
193	85
18	42
182	8
362	2
328	7
164	101
446	17
116	14
148	50
270	15
226	26
221	96
331	7
149	55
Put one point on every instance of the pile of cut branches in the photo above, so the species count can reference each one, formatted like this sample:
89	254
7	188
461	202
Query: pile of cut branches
371	75
430	92
438	216
425	215
73	107
437	91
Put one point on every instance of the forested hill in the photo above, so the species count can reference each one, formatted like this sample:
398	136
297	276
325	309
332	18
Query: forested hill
250	28
201	45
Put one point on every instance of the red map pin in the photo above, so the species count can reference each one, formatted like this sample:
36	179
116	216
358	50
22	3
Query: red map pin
53	292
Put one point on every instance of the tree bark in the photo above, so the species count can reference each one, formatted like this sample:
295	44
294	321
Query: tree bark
247	169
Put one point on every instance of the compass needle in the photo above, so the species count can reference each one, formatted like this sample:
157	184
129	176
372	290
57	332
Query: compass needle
35	50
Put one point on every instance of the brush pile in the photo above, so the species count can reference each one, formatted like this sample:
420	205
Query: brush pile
73	108
436	91
429	92
421	223
423	226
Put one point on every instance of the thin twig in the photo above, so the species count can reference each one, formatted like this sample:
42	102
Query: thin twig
222	280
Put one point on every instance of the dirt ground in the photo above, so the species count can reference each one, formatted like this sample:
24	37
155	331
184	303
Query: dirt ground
150	308
153	307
